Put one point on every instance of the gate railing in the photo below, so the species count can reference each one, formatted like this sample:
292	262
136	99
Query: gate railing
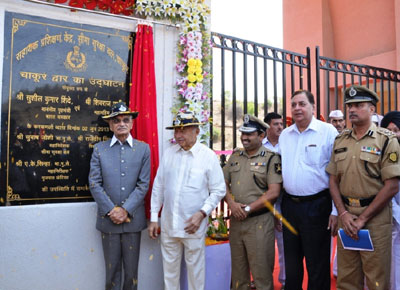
254	78
336	75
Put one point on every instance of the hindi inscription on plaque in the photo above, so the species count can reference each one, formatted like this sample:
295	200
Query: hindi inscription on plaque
59	78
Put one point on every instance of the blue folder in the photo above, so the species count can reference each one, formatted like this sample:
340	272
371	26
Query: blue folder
363	243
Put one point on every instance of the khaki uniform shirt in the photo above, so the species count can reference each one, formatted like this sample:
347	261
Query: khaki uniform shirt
360	165
265	165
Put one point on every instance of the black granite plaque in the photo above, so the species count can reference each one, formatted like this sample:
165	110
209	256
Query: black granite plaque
59	78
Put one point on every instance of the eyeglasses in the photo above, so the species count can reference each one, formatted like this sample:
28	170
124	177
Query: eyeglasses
124	120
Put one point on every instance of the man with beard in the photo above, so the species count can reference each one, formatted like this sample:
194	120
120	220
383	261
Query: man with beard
305	148
364	170
252	176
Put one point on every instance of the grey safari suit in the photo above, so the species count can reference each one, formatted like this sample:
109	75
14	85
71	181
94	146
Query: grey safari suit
119	176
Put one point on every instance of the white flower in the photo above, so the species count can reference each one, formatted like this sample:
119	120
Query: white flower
165	3
157	11
147	10
139	8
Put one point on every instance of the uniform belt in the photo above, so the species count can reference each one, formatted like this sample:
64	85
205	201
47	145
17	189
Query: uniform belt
298	199
259	212
357	202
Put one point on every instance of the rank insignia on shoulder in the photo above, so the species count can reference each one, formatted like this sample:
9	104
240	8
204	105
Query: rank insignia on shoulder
372	150
234	163
393	157
278	168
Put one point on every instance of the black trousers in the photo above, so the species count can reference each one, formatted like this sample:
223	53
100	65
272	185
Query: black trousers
310	219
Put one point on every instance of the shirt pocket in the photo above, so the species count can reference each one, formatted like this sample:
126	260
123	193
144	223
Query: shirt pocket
371	164
340	162
312	154
196	178
259	173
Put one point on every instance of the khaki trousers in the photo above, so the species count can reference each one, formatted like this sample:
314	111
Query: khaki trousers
353	265
252	244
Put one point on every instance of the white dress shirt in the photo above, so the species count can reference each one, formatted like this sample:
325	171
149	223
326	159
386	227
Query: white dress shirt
305	156
129	140
186	182
269	146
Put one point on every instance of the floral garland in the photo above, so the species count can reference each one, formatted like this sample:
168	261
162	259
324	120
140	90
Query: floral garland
194	47
194	55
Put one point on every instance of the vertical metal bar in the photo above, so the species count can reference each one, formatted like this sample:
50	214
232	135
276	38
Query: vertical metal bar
292	74
389	96
336	88
275	82
367	80
382	97
283	83
301	77
255	84
265	82
308	69
327	92
234	103
317	80
344	89
395	96
245	77
359	80
374	80
352	75
223	97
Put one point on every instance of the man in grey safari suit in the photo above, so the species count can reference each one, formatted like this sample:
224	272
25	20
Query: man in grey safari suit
119	179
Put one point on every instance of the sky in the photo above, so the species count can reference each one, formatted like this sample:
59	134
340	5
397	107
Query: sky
255	20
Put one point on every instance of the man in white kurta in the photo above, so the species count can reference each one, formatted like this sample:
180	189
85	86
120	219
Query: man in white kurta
188	186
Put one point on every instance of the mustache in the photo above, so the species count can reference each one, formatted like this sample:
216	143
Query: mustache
353	115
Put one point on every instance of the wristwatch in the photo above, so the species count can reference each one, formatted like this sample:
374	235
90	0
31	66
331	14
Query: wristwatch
247	209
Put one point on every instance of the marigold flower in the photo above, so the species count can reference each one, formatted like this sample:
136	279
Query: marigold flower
192	78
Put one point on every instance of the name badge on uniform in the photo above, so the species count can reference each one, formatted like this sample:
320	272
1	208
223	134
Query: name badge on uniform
340	150
372	150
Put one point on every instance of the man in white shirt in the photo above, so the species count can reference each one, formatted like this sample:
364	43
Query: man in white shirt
188	186
391	121
270	142
305	149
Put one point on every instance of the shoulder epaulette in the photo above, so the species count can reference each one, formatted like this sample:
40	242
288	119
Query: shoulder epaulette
345	132
238	151
385	131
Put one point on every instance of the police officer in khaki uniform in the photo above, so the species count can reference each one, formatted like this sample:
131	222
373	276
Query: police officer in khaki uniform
364	170
253	176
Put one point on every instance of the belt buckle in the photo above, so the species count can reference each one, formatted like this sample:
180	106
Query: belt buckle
354	202
296	199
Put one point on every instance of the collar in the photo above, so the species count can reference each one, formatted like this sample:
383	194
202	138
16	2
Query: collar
129	140
259	152
194	150
312	126
266	141
371	132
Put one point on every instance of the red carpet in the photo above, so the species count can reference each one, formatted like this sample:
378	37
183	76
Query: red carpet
277	285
